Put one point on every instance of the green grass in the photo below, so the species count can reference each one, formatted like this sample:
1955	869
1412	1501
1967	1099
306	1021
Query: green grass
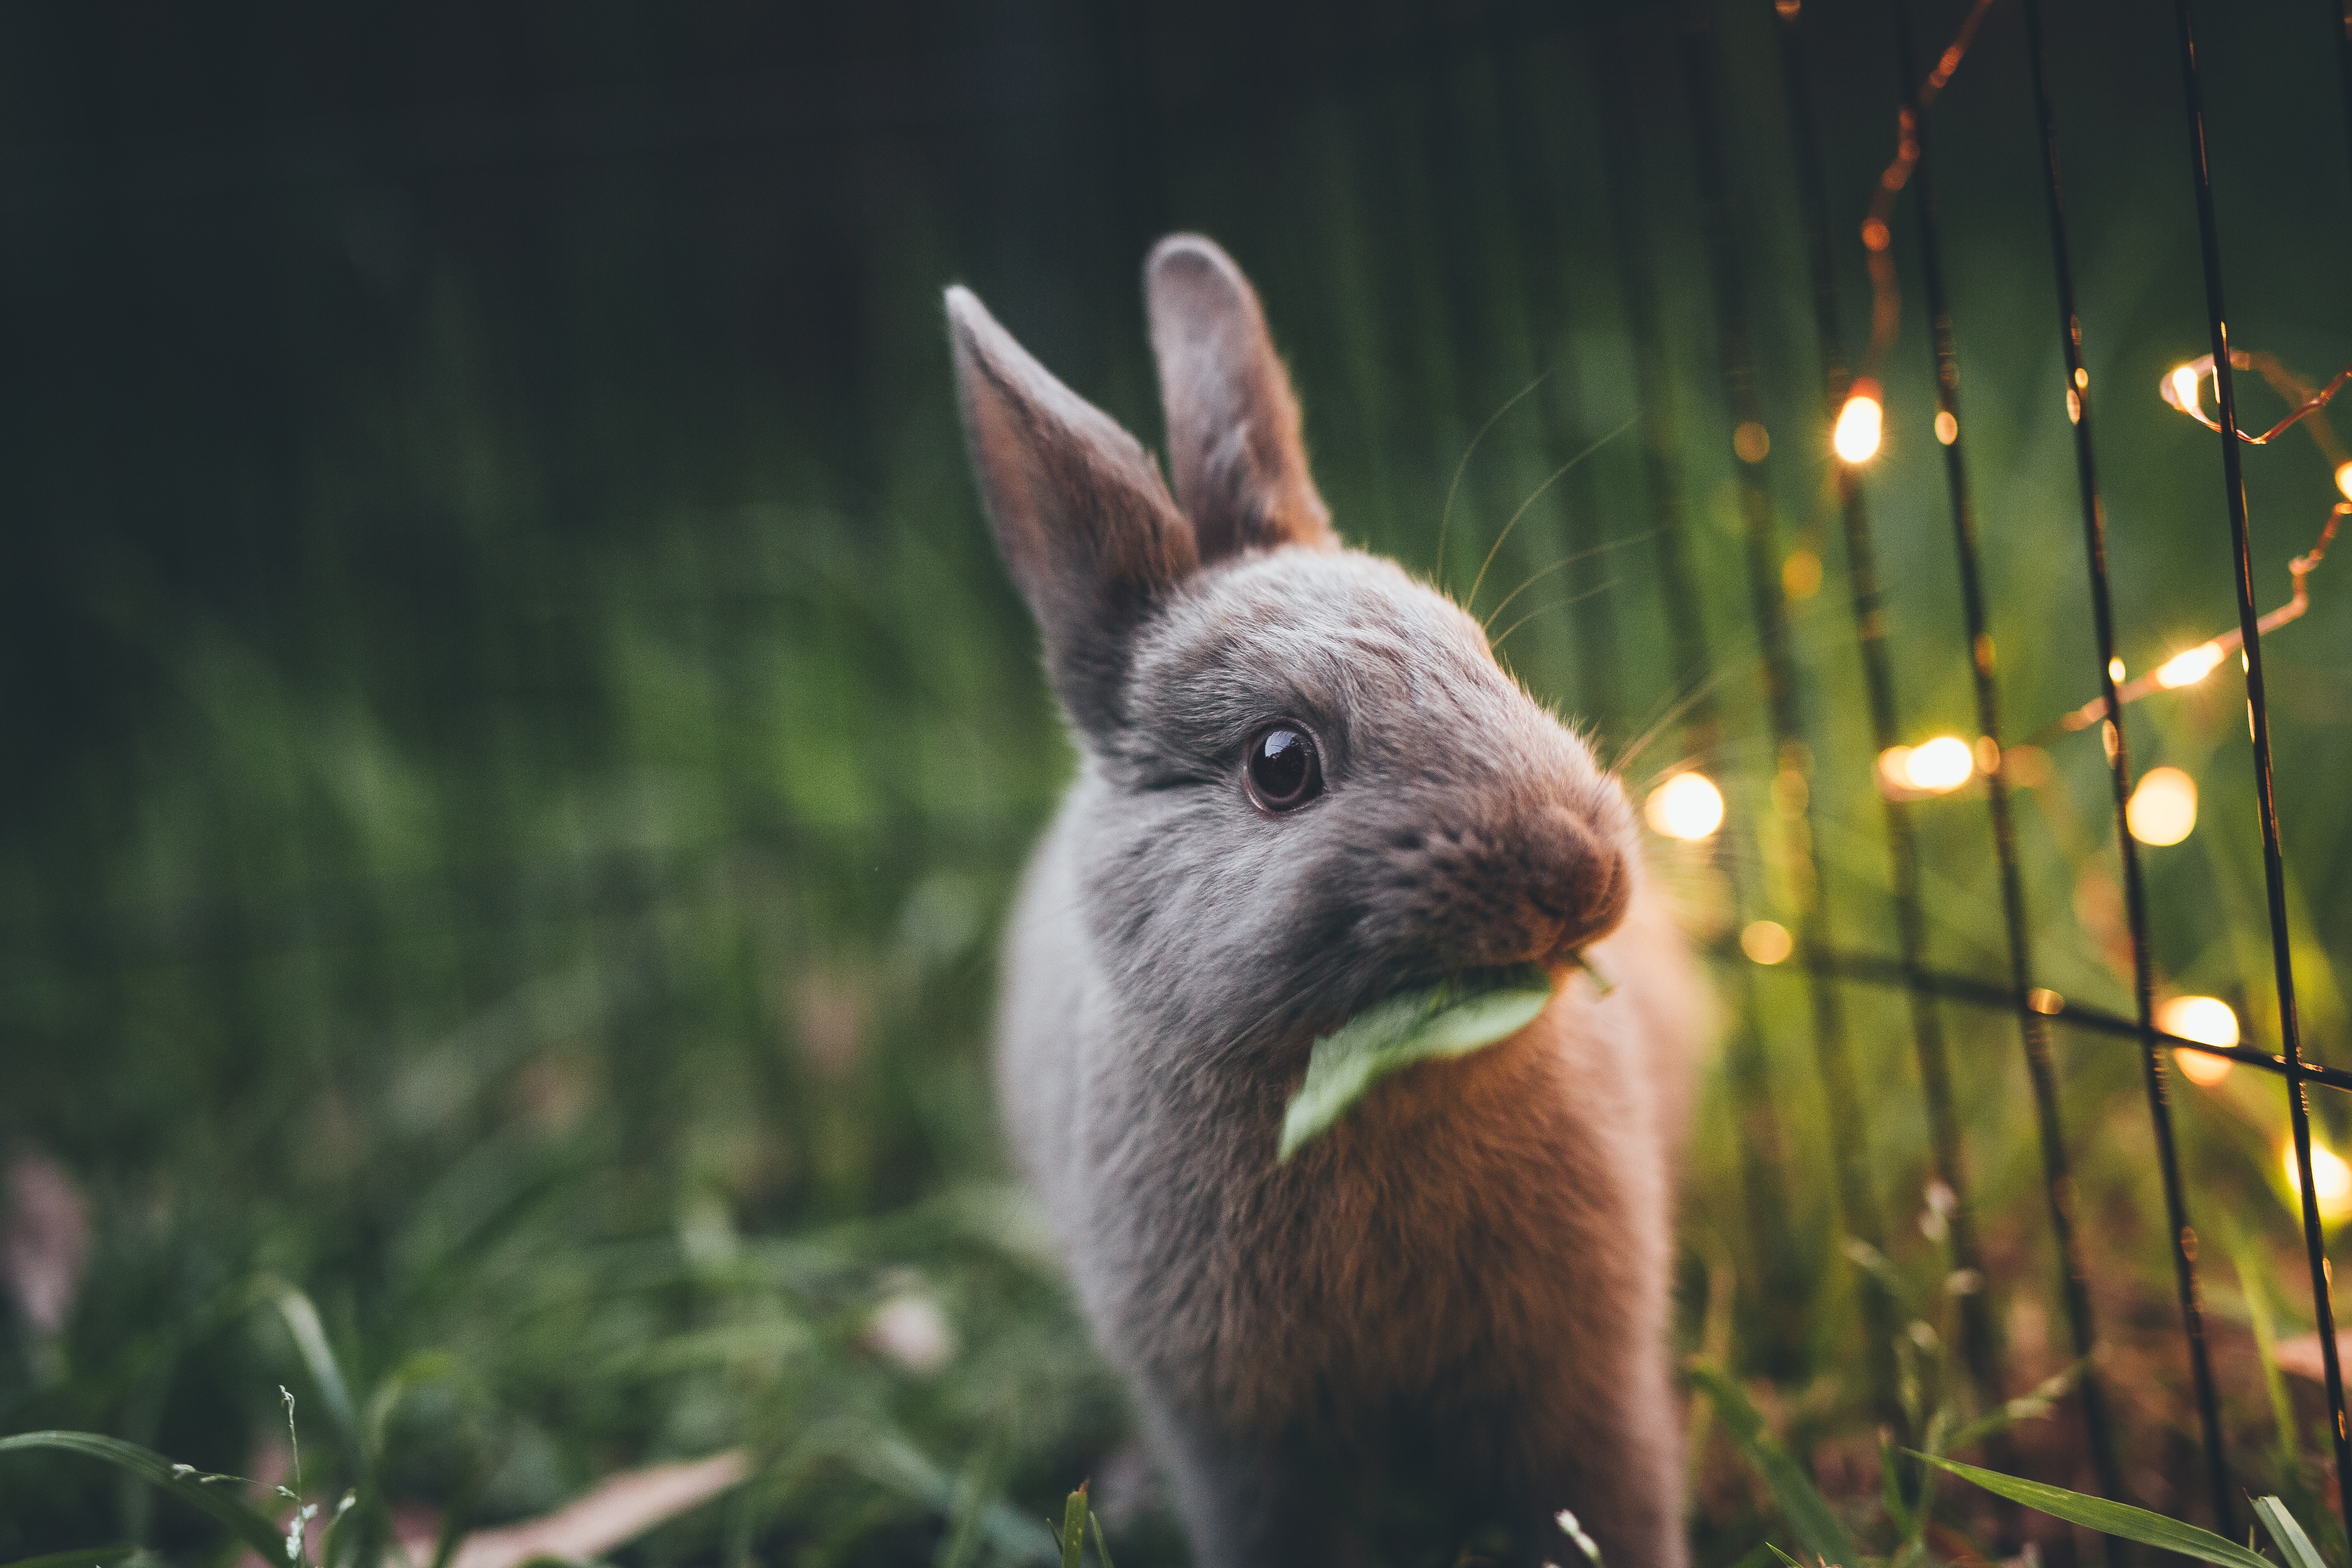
517	825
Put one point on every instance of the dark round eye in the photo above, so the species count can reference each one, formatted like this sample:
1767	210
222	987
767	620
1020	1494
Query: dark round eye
1284	773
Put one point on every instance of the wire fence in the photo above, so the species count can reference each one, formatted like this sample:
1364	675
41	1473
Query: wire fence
2035	1009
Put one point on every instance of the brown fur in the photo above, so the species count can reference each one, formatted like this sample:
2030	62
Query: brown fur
1448	1318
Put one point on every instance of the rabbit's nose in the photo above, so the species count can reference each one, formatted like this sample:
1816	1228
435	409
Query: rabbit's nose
1577	879
1534	887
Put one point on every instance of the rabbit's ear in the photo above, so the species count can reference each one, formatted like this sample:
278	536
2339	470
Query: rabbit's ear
1233	422
1081	513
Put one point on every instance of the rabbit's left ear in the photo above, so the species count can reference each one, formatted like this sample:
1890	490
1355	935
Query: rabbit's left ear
1233	422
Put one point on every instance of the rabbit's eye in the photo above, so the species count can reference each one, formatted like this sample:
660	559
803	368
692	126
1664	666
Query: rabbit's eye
1284	771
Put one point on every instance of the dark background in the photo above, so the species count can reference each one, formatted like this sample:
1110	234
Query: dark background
517	737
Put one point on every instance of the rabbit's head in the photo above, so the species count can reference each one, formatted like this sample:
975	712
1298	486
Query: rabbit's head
1307	783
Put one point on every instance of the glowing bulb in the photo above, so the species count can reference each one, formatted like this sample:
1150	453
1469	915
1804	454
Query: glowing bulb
2343	478
1940	765
1767	942
2115	670
2184	388
2331	1180
1859	423
1687	805
2163	809
1947	429
2206	1018
2188	668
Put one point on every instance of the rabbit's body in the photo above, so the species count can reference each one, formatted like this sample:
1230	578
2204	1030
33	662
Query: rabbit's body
1447	1316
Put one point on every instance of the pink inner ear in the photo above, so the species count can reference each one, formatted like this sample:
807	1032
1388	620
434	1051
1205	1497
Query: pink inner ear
1233	421
1080	511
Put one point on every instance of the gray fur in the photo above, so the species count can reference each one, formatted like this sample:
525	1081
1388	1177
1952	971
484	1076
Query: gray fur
1448	1318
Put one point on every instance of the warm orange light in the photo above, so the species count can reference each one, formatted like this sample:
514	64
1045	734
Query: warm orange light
1947	429
2343	478
2163	809
1767	942
1860	423
1932	767
2184	389
1687	805
2188	669
2206	1018
2331	1180
1940	765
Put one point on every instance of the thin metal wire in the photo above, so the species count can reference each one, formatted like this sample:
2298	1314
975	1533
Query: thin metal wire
1873	969
2258	719
2078	404
1935	1068
1762	1143
1783	707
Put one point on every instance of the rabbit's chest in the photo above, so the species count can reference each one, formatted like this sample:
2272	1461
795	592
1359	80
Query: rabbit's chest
1462	1220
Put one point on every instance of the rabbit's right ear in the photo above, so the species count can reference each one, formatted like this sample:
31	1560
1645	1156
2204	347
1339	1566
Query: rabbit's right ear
1082	515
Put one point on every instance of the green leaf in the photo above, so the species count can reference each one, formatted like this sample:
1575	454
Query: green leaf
1074	1528
2293	1543
2109	1518
1817	1527
152	1467
85	1559
1783	1556
1102	1547
1451	1018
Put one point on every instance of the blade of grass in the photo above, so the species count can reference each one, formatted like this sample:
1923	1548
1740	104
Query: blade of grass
2109	1517
158	1471
1074	1527
1102	1547
2293	1543
114	1553
1817	1527
2254	1285
318	1357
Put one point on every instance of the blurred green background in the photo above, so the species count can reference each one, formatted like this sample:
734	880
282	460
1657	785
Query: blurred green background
518	742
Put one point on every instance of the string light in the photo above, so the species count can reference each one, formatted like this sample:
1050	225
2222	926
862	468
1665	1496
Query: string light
2182	387
1937	766
1878	235
2331	1180
2163	809
1687	805
2206	1018
2188	669
1859	423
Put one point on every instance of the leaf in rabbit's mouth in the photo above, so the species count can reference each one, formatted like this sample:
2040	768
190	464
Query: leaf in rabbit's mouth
1459	1014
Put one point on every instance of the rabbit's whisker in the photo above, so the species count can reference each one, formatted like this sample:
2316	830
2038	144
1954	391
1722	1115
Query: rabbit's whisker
1564	561
1557	474
1446	516
1556	605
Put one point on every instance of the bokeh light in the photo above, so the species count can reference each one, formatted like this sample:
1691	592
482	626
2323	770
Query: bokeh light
1860	423
2163	809
1940	765
2331	1180
1687	805
2206	1018
1767	942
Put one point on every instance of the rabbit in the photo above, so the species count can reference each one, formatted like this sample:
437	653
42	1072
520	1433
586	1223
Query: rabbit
1305	785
